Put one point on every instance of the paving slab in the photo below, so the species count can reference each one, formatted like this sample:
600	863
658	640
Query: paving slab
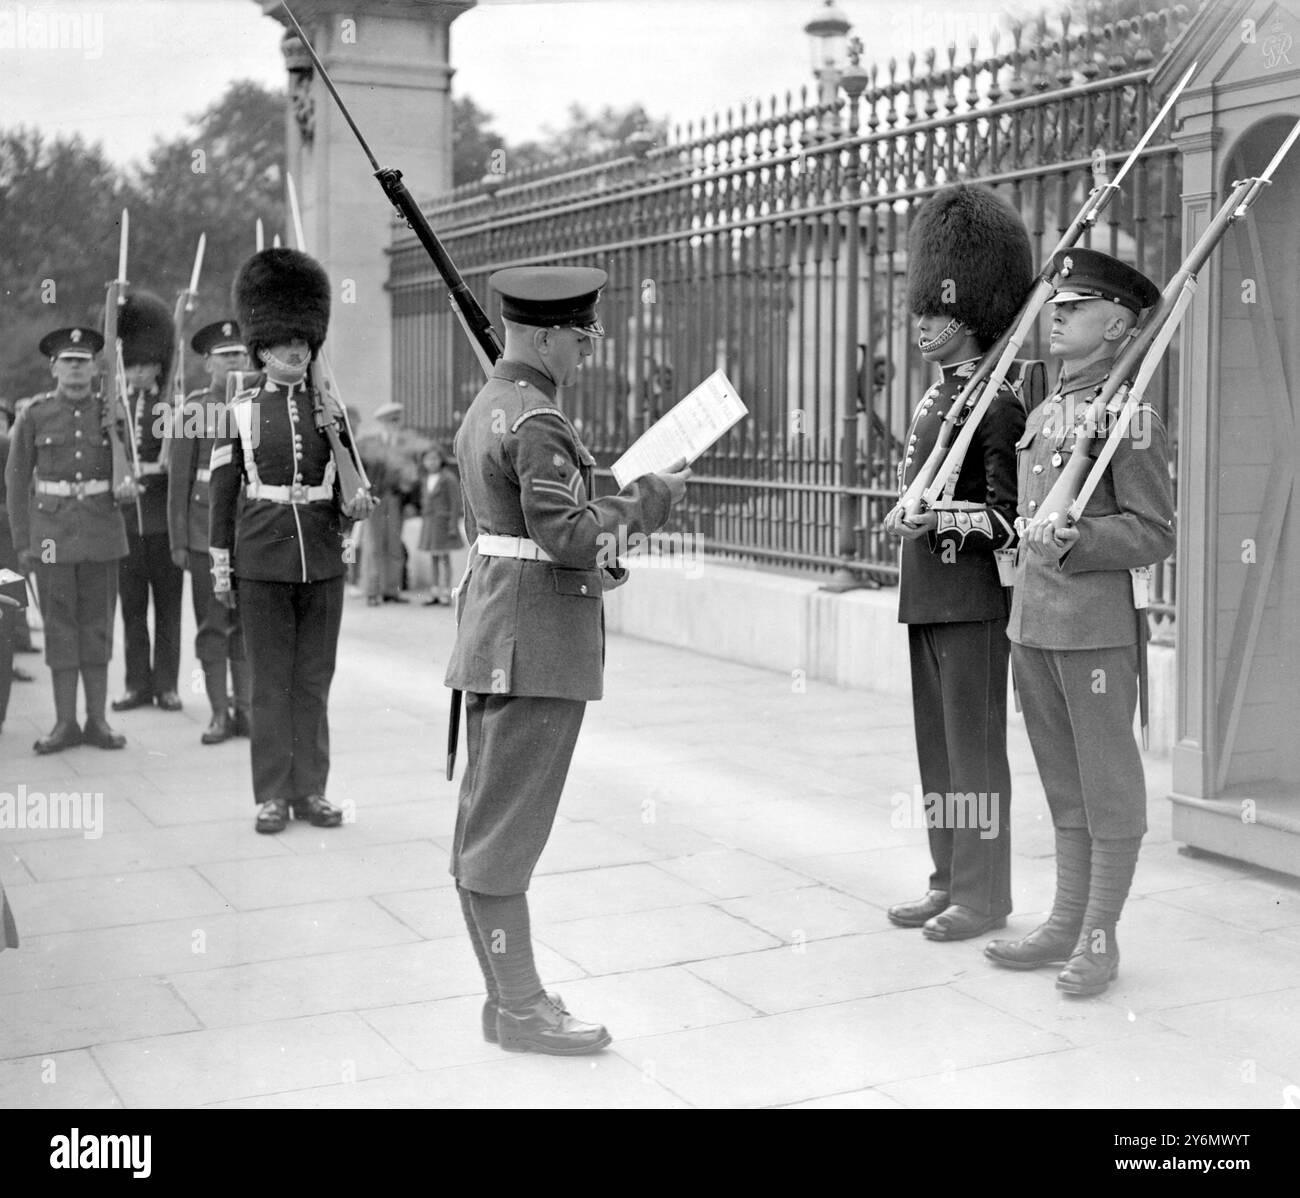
56	1081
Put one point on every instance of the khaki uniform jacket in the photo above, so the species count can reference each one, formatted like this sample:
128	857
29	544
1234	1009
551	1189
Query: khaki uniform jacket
530	627
201	418
62	440
1086	600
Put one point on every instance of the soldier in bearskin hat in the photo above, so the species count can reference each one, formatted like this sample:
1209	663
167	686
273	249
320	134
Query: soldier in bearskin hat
148	335
198	424
969	270
283	547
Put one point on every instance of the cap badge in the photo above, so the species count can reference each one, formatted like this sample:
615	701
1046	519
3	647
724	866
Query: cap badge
1067	265
75	335
226	329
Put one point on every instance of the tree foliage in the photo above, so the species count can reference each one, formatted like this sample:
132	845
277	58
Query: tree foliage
61	203
479	150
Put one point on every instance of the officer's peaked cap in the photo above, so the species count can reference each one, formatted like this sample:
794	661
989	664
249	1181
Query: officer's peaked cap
552	296
71	343
145	328
1090	274
218	337
968	257
281	294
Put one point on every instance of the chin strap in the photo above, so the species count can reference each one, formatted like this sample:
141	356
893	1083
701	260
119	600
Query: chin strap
281	372
946	334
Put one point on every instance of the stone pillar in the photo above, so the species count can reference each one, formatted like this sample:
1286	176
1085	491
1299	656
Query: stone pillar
390	61
1236	758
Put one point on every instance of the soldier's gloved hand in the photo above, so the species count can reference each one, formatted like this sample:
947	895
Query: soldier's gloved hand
179	558
674	478
127	490
360	505
28	560
910	530
222	580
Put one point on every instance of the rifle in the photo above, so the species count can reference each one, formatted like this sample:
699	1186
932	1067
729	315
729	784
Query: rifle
482	336
1128	381
186	301
113	389
352	473
945	459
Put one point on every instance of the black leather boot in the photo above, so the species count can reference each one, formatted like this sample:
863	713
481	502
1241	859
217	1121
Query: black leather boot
545	1026
95	681
914	914
1095	961
65	733
220	728
1053	942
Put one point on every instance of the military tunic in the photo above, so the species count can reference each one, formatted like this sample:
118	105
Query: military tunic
148	567
956	611
200	420
289	562
1073	624
529	647
78	537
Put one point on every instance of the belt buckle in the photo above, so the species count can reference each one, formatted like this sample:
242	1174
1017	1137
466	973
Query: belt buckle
297	493
77	489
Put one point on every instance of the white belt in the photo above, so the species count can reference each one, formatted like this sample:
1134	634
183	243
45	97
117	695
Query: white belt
152	468
490	545
294	494
202	475
92	486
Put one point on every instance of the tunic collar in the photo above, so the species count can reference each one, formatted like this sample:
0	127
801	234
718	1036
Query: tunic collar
961	370
287	388
521	372
1088	376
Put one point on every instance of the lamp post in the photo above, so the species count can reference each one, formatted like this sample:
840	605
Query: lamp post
853	79
828	35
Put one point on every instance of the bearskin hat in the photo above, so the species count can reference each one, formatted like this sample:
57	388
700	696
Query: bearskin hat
145	328
969	257
281	294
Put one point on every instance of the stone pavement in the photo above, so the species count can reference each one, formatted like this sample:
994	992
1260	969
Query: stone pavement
714	892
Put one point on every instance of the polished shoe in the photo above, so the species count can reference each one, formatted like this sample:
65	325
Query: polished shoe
133	699
318	811
169	701
1051	943
913	915
99	734
961	923
273	816
220	729
21	675
545	1026
490	1017
64	735
239	724
1088	972
396	599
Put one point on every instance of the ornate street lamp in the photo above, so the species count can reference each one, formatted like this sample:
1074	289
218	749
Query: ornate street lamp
828	35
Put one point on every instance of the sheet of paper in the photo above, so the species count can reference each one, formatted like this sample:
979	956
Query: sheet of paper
686	431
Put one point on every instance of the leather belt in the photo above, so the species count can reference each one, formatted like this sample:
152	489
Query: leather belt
491	545
151	468
202	475
298	493
79	489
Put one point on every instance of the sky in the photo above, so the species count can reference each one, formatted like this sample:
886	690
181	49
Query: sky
137	69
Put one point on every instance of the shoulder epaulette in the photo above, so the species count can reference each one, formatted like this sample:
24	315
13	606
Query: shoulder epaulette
528	415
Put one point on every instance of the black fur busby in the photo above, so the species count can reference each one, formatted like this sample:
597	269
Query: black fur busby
281	294
145	328
969	257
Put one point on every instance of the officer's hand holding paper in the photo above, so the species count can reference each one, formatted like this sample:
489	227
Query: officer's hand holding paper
684	433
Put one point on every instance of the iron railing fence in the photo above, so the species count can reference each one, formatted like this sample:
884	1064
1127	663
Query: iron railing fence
772	243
